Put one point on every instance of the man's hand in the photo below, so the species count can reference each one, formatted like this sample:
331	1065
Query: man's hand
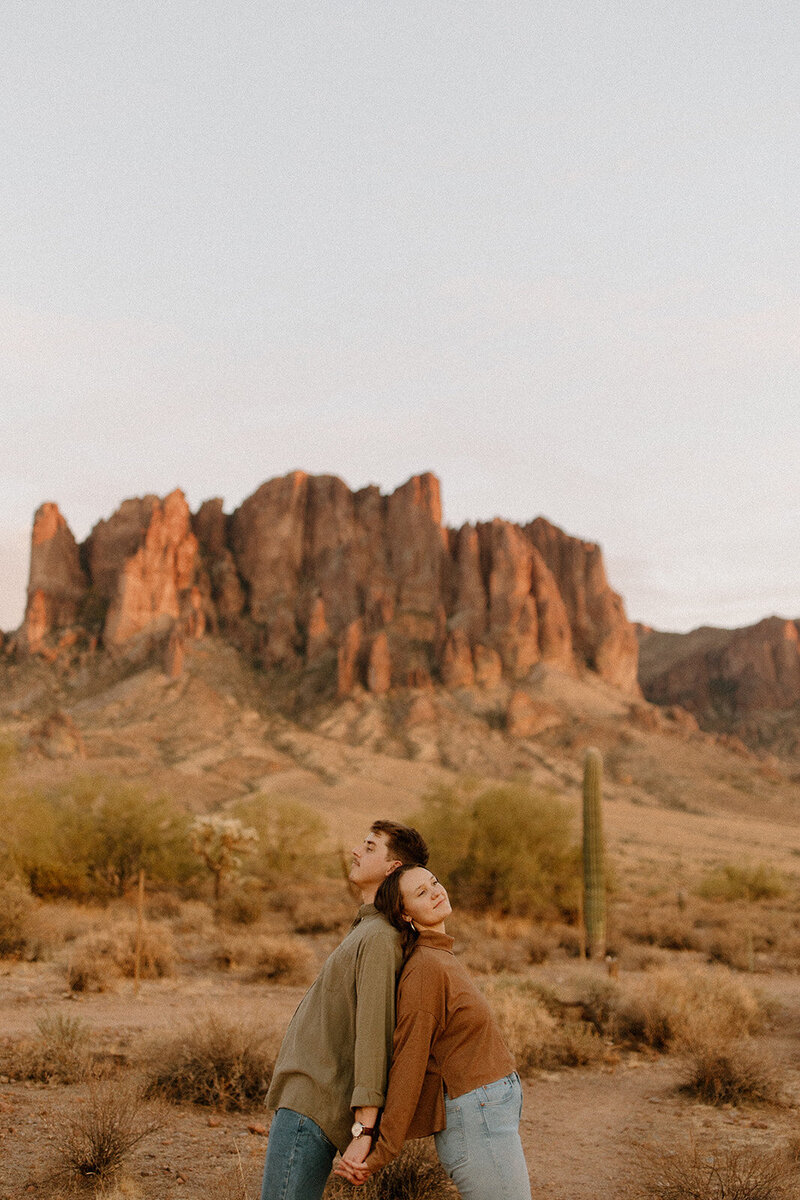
351	1166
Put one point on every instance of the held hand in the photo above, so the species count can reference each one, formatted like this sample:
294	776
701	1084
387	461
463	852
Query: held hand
351	1166
354	1173
358	1150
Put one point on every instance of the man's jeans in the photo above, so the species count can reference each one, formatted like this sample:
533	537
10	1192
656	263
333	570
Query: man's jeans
299	1158
480	1149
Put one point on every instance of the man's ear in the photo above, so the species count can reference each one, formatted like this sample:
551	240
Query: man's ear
392	867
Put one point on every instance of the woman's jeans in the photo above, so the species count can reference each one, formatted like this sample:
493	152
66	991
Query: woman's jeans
299	1158
480	1149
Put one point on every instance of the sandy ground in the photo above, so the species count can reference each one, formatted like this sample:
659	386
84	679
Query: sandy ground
581	1128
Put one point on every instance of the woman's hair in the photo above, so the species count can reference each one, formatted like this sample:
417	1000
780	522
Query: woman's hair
389	901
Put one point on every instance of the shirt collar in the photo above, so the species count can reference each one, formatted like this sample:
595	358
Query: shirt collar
437	941
366	910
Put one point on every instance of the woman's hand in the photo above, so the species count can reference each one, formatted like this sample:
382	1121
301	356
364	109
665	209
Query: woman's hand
352	1170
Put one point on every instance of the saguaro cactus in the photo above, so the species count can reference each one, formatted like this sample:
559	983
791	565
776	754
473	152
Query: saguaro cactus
594	883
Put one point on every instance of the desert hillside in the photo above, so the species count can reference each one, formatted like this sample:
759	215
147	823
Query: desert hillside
314	660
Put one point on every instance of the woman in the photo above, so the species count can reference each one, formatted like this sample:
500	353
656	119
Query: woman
451	1073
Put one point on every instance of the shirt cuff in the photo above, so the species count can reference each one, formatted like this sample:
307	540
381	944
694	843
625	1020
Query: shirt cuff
363	1097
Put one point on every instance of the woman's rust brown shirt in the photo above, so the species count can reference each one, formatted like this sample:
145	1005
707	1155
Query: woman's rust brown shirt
445	1035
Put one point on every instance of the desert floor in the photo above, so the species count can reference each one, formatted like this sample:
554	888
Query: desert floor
582	1127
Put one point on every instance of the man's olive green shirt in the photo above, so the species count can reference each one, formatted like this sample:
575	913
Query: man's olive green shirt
335	1054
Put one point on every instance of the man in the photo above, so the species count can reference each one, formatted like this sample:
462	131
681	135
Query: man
329	1082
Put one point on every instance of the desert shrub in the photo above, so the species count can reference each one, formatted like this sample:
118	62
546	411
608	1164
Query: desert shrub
91	837
730	1072
723	1172
570	939
194	916
96	1140
492	955
98	958
321	913
269	959
539	945
534	1032
507	849
16	909
290	838
58	1053
733	881
88	970
669	929
283	960
217	1063
598	1000
416	1174
239	908
671	1007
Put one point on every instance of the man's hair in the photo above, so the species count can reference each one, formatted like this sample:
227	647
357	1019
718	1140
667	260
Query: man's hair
403	842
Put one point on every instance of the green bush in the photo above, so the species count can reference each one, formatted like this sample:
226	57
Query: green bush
91	837
747	882
290	838
507	849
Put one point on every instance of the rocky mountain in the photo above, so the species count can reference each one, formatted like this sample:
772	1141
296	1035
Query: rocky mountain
339	590
743	681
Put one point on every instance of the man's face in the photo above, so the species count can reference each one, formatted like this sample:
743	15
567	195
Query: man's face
371	862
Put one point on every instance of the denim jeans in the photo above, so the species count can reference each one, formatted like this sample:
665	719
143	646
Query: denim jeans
480	1149
299	1158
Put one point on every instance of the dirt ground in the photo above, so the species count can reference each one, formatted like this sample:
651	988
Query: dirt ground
581	1128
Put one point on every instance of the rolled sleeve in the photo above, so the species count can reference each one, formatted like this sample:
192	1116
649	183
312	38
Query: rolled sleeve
376	975
412	1046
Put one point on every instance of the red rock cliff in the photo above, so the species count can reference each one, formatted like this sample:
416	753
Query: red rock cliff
369	587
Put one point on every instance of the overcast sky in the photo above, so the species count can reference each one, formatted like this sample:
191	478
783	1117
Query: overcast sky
547	249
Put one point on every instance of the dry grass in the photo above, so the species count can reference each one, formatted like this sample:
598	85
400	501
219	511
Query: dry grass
537	1036
97	1140
732	1072
16	910
722	1172
734	881
98	958
283	960
239	908
58	1053
218	1063
669	1008
416	1174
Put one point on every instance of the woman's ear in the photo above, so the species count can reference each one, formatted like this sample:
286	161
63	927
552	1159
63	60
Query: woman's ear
406	917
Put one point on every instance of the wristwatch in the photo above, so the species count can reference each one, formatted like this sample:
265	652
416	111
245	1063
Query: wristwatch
358	1130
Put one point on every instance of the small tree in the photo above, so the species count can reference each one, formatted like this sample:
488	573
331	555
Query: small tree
506	848
290	838
220	842
92	836
132	832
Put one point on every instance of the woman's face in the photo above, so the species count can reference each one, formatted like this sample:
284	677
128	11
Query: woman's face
424	899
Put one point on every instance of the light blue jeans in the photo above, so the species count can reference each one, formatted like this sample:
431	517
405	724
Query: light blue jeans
481	1149
299	1158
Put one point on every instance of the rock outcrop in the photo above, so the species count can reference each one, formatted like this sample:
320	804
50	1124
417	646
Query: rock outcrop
57	584
724	676
359	588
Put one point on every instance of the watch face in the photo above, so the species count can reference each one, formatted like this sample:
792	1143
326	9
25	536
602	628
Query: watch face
357	1129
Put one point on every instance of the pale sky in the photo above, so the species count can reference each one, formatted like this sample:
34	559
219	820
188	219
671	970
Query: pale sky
547	249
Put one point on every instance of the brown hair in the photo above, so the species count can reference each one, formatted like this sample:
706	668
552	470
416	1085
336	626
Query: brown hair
389	901
403	842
